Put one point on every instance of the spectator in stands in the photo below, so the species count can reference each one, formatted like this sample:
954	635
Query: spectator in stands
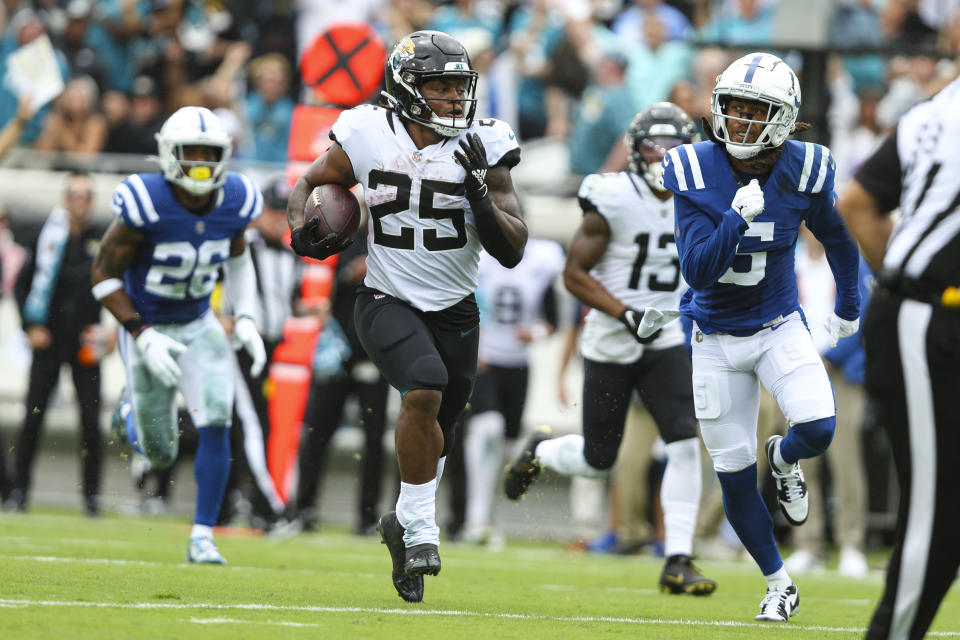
269	108
602	115
655	66
84	59
741	22
75	123
631	28
25	27
142	118
535	28
62	322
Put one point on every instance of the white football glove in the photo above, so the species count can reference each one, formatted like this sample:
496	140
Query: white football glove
748	201
159	353
246	335
838	328
655	319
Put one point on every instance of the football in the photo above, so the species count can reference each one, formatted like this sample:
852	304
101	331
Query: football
336	209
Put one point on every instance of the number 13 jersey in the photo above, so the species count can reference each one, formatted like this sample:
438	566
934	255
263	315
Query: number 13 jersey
639	267
422	240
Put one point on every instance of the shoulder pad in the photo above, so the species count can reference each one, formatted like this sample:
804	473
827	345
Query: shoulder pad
683	169
815	165
133	202
244	195
499	140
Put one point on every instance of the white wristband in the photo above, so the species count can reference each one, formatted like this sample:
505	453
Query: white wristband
105	287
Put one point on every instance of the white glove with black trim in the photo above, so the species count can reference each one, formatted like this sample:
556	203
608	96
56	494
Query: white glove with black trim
654	320
246	335
838	328
159	354
748	201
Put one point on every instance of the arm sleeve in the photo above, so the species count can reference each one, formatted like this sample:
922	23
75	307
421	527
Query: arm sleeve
707	246
241	285
842	254
880	174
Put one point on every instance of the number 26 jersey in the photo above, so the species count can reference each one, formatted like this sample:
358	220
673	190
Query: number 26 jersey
422	239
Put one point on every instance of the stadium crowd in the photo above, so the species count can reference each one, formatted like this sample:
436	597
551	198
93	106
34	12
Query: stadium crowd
567	75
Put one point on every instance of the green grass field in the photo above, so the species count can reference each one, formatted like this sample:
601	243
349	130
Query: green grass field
64	577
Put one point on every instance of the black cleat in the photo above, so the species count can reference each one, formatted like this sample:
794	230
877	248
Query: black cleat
680	575
525	469
410	588
422	560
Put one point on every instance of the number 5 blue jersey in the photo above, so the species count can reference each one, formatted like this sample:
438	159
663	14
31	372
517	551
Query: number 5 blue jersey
741	275
175	267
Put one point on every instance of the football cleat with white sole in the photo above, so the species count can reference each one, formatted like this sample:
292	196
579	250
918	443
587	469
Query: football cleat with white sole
525	468
202	550
410	588
779	605
803	561
791	487
680	575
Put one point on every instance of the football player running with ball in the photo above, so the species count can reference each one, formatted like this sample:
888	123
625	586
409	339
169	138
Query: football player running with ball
739	201
157	265
623	261
437	183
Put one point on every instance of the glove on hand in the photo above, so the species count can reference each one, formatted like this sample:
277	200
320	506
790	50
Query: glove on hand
246	335
838	328
303	244
654	319
632	319
473	158
748	201
159	353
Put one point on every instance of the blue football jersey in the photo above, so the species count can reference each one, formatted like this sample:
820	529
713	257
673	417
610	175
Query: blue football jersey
741	275
175	267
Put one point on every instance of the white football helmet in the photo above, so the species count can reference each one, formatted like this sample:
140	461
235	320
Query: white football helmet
193	126
763	78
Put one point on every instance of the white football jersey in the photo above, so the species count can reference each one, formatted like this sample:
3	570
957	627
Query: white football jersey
513	297
422	241
640	266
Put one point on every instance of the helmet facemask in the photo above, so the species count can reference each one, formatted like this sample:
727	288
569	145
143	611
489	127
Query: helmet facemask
647	160
651	134
763	79
194	127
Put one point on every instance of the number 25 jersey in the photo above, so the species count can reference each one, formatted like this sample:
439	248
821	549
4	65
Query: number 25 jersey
422	240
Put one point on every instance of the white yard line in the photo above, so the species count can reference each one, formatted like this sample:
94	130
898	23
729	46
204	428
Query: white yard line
14	603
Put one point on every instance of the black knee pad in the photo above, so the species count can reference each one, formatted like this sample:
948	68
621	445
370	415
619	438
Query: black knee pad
429	372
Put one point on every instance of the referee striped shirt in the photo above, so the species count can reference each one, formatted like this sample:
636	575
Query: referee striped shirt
918	170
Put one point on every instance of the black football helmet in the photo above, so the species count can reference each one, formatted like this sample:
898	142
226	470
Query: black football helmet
653	132
420	57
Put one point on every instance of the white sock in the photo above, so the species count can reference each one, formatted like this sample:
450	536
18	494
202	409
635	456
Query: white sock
680	496
778	580
565	456
778	459
483	452
441	463
417	513
201	531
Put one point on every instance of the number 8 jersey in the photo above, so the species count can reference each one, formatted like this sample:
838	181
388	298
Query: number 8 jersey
639	267
422	240
176	266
